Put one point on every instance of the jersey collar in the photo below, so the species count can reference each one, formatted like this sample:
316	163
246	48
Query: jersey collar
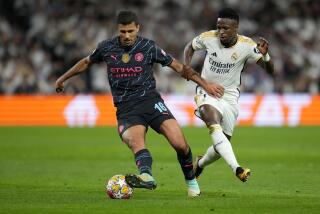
126	48
222	46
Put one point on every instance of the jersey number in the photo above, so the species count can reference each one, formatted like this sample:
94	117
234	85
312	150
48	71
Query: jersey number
160	107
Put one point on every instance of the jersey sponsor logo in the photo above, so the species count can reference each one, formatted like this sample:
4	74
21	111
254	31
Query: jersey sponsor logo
136	69
125	58
220	64
219	67
234	56
138	57
214	54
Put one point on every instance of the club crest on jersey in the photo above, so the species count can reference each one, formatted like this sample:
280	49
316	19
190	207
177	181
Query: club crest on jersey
125	57
138	57
234	56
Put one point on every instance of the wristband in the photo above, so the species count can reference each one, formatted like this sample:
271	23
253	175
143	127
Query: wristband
266	57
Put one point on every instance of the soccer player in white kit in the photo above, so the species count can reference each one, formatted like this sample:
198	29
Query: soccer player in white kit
226	55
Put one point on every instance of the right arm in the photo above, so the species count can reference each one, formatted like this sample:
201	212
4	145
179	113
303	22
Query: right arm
188	53
188	73
78	68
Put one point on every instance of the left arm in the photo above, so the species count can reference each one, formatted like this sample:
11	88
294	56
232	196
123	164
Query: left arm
265	62
188	73
188	53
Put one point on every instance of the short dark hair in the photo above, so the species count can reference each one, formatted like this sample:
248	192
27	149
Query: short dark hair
126	17
229	14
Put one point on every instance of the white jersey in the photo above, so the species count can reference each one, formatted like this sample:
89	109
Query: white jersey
224	65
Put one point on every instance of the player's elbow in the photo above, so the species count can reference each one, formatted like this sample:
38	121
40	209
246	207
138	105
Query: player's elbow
188	49
82	65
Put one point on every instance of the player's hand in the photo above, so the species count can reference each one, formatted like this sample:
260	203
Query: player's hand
263	46
59	86
214	90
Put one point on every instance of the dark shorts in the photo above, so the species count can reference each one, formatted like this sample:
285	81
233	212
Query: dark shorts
149	112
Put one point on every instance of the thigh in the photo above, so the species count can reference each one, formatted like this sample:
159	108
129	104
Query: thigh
126	122
134	137
172	131
210	115
229	118
156	113
128	116
210	108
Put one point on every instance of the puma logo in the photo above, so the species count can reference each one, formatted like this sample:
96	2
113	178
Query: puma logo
114	57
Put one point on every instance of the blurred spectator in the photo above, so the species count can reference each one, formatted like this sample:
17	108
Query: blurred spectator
40	39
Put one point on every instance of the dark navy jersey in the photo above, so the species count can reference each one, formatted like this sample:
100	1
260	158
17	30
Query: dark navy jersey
129	70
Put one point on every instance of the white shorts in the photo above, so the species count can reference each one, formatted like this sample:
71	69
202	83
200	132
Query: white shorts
228	110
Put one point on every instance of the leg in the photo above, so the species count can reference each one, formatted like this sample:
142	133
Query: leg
210	156
221	144
171	130
209	116
134	137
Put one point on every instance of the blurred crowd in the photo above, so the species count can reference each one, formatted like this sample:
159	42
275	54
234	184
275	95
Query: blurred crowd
41	39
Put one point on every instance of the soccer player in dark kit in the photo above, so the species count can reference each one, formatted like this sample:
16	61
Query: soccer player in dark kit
129	59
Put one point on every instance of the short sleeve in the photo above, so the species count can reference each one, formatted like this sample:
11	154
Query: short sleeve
97	56
198	43
160	56
254	53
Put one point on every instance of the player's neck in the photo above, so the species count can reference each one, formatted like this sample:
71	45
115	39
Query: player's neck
128	47
232	42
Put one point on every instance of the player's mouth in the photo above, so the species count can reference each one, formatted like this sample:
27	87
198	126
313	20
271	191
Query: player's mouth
223	38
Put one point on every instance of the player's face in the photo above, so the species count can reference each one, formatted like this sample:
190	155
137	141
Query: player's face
227	30
128	33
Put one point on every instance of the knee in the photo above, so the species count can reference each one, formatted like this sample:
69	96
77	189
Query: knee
214	127
182	148
134	143
209	115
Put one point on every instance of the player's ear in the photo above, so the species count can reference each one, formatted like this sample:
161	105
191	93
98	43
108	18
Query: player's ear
138	28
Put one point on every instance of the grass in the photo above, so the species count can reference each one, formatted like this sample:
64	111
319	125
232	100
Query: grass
63	170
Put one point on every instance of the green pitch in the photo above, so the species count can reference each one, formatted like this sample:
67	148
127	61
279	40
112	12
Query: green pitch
63	170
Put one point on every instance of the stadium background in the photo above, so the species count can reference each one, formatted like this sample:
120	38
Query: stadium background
58	169
40	40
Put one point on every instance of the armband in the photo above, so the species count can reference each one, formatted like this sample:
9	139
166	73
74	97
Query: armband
266	57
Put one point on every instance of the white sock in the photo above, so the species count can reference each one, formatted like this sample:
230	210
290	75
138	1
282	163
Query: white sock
210	157
223	146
